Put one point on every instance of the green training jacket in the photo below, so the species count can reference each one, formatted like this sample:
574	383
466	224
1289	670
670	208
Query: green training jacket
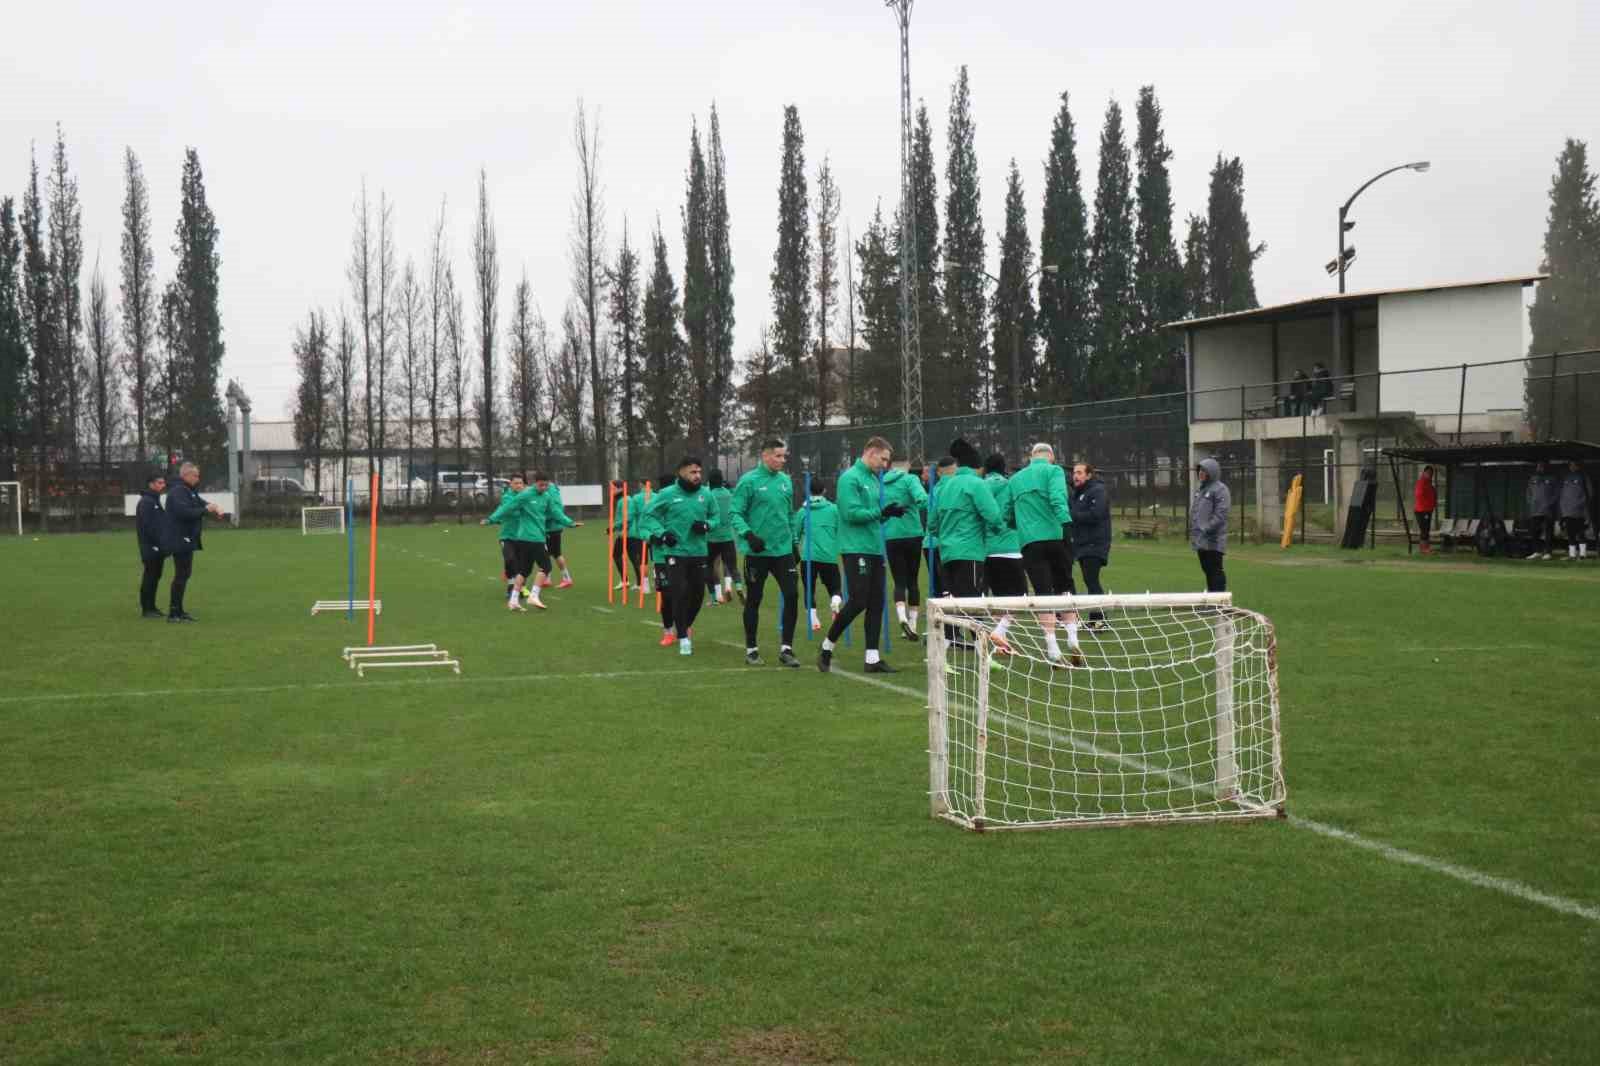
900	487
1006	543
824	530
1037	505
965	518
761	504
860	521
674	511
636	506
508	516
724	498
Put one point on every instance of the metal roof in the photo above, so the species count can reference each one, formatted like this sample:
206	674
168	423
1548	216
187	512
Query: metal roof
1317	304
1548	451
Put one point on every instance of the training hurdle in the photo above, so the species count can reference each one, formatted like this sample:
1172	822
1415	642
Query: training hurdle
362	666
361	657
347	605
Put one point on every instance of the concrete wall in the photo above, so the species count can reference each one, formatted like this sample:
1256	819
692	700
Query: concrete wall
1448	328
1225	358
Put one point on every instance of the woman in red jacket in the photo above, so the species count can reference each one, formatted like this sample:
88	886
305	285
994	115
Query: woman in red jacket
1426	499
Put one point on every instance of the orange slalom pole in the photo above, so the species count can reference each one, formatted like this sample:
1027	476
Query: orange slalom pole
645	553
372	566
626	501
611	543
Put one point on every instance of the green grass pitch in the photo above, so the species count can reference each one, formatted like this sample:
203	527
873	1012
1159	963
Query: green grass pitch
217	845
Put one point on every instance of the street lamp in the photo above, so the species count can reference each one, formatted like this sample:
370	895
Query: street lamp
1051	269
1344	227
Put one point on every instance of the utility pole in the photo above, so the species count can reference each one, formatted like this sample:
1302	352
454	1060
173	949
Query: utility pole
910	327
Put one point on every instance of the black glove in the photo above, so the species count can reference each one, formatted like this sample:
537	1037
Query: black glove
670	539
655	540
699	528
894	510
755	542
1066	531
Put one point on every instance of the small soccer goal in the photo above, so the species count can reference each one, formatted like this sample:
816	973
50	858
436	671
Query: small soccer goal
11	507
1167	712
321	520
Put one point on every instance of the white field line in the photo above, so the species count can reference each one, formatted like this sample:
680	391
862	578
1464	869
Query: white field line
1504	885
243	690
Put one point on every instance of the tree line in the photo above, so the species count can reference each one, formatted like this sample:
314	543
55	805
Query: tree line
1565	316
81	379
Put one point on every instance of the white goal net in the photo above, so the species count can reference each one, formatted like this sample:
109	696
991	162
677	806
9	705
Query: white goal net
11	507
321	520
1158	708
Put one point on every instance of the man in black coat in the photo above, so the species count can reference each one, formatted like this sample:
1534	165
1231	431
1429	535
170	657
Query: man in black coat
1091	531
152	528
185	512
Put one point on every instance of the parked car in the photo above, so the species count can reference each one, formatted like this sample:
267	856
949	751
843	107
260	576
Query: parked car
282	490
460	484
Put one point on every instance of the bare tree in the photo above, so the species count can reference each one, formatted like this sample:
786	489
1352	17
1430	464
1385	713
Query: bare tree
138	296
437	375
826	281
105	410
569	379
360	274
314	393
382	326
458	372
346	379
486	272
410	324
589	271
526	373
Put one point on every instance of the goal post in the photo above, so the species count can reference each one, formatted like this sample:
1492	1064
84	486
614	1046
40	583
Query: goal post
11	507
1156	708
322	520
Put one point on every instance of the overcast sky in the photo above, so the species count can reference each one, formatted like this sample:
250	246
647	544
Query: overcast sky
292	104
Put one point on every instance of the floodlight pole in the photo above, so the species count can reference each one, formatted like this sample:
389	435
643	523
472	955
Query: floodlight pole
1420	167
910	327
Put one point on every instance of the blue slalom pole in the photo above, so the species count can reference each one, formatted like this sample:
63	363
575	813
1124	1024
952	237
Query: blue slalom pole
350	548
883	547
933	574
810	600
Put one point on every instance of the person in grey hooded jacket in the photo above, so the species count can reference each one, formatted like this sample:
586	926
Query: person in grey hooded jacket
1543	499
1208	523
1575	510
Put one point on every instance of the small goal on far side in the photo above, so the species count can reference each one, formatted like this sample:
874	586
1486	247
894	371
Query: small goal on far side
321	520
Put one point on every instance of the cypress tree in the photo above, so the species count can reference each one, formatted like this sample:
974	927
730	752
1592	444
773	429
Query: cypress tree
966	307
664	361
697	291
625	329
312	397
1064	300
791	276
827	285
929	281
720	313
1566	310
878	367
138	295
1111	264
1014	316
197	419
13	342
1196	273
39	323
1157	270
66	266
1230	257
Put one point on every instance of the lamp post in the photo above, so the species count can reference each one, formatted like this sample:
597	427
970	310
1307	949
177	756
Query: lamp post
1345	227
1016	340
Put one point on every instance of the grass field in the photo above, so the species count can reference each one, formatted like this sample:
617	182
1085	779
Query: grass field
217	845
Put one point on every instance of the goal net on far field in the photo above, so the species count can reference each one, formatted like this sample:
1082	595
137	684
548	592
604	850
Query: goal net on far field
321	520
11	507
1170	712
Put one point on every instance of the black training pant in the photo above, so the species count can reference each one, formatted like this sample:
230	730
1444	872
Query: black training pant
828	574
756	569
863	582
182	567
905	565
962	579
723	552
552	544
635	550
1049	566
1424	524
152	579
663	578
686	581
529	552
1211	564
1006	576
1574	528
1091	567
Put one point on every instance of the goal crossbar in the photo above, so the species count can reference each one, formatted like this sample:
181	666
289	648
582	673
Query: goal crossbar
1066	711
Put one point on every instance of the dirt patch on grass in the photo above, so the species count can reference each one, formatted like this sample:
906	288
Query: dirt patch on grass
581	1048
782	1046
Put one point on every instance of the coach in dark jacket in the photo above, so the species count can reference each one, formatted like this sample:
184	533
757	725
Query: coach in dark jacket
1091	530
151	526
1208	523
186	510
